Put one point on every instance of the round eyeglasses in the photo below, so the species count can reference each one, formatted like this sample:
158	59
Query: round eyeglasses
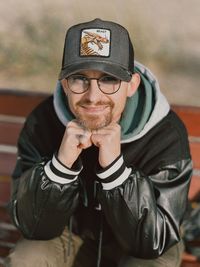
79	84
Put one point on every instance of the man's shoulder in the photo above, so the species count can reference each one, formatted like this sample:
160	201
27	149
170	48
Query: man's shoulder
44	114
42	126
175	122
174	133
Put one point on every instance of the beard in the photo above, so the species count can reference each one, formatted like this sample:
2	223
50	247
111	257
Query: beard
94	122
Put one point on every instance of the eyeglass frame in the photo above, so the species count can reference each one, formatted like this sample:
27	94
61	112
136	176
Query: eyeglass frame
89	83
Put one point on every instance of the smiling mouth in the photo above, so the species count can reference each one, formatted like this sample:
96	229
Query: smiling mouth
95	109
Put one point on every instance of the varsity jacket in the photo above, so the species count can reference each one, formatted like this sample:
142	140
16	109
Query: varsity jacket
141	197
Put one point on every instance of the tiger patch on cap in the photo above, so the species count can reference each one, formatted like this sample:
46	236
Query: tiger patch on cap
95	42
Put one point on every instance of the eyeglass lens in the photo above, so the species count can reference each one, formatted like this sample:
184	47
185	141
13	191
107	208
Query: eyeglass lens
80	83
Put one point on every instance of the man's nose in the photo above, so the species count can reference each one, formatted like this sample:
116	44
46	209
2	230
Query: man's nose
94	93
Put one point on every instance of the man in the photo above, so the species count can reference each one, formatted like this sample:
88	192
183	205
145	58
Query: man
104	165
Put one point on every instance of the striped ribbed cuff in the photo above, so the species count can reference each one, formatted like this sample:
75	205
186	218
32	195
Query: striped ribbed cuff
59	173
114	175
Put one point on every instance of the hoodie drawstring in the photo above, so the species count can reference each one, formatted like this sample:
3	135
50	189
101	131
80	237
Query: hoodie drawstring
97	207
70	236
100	241
67	251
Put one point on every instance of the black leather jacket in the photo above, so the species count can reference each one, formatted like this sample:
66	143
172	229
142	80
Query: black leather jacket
142	212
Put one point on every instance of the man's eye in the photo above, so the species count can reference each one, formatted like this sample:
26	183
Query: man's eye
110	79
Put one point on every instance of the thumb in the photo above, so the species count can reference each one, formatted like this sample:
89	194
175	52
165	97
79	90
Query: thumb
95	140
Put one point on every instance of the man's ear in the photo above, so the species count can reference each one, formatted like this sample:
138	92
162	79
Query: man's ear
64	85
133	84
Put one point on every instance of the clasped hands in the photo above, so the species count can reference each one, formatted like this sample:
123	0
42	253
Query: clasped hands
76	138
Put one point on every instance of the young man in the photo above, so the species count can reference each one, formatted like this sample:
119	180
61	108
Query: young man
104	165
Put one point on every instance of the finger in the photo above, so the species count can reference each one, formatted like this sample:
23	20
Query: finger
73	123
74	129
97	139
84	141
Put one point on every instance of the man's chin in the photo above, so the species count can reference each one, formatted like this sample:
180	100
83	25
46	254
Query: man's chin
95	123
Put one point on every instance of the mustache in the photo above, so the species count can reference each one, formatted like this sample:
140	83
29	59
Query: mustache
87	102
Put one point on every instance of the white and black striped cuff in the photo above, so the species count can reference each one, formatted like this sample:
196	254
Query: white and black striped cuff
59	173
114	175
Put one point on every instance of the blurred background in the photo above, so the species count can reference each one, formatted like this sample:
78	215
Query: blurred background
165	34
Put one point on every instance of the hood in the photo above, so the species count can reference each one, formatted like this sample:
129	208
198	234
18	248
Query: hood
143	110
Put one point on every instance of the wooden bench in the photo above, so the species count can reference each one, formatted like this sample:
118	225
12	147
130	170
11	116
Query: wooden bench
14	107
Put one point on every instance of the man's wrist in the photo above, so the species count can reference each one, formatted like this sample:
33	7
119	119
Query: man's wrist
56	171
114	175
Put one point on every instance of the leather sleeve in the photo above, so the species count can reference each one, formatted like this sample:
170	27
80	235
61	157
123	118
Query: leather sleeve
40	207
145	212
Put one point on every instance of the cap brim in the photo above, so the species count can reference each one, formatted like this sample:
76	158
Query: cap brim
111	69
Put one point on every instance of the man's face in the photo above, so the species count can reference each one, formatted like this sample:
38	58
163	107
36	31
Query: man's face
94	109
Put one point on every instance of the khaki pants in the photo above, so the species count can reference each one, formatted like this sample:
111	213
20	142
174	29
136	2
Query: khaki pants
55	253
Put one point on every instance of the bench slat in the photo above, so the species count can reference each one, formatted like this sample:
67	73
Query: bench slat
5	190
195	152
9	132
19	103
7	163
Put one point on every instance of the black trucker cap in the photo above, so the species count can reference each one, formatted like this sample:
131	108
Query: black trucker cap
98	45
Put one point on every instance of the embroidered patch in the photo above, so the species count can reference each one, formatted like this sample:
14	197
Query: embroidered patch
95	42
